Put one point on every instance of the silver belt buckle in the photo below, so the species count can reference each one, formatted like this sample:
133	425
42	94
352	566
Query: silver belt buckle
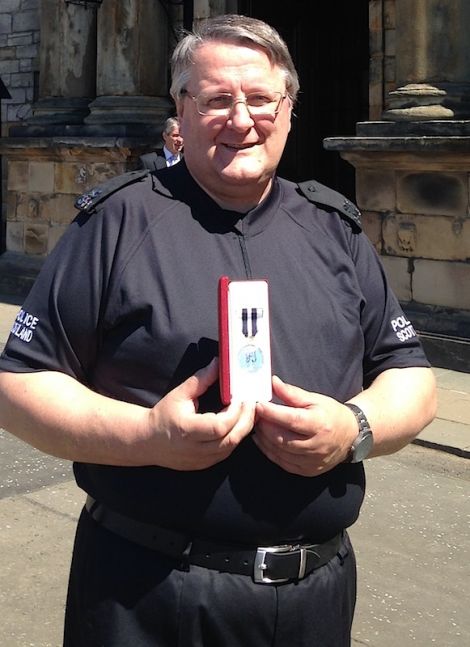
260	565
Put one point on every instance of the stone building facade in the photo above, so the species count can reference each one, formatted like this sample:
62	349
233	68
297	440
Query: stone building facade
19	58
388	94
412	162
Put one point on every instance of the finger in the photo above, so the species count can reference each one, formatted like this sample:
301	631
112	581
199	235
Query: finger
214	427
198	383
300	465
285	462
294	396
245	423
235	422
217	443
276	414
285	440
295	420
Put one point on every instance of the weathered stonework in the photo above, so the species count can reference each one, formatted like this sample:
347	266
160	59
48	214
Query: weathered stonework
412	164
15	237
442	284
19	57
372	226
442	238
376	190
411	209
412	159
414	194
382	77
398	271
35	239
433	193
46	176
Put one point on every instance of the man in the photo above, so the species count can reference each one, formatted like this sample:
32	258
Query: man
172	149
205	525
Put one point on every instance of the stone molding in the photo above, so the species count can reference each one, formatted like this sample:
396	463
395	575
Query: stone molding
46	175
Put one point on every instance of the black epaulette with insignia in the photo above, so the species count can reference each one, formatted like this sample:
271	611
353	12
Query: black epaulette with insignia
87	201
323	195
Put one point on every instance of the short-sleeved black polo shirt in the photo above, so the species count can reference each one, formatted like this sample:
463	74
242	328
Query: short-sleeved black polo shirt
127	304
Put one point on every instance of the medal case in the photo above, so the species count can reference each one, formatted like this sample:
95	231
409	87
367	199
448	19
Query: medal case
244	340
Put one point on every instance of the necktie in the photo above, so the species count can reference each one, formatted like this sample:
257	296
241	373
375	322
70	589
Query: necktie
172	160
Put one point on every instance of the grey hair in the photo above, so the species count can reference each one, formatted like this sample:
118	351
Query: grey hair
170	124
232	28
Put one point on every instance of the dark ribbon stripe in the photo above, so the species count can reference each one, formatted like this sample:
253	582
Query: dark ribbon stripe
254	322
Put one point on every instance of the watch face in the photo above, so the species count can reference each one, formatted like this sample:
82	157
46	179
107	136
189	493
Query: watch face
363	447
364	442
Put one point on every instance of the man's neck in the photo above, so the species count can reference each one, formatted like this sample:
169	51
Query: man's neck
237	203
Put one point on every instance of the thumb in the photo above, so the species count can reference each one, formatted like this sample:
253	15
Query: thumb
291	395
198	383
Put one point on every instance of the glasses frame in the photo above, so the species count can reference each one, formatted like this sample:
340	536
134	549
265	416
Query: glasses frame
236	100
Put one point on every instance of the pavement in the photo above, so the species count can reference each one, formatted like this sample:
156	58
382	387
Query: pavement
412	540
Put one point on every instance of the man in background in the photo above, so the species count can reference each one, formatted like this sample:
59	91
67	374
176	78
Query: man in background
172	149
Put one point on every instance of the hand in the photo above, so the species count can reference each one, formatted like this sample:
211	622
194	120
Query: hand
183	439
308	434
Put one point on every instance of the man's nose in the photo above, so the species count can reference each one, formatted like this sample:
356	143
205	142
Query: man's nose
240	115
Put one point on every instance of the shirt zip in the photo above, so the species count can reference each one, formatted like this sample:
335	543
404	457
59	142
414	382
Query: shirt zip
246	260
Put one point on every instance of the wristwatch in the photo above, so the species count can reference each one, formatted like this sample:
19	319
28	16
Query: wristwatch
364	442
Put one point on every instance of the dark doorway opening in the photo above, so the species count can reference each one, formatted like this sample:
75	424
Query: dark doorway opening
331	54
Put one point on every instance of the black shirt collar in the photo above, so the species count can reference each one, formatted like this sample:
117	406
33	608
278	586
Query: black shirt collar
177	182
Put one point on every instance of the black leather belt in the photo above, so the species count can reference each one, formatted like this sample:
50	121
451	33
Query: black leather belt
266	564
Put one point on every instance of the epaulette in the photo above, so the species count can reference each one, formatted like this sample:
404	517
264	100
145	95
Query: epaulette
87	201
323	195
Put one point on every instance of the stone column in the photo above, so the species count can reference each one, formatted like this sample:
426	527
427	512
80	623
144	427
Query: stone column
412	173
132	65
432	61
67	63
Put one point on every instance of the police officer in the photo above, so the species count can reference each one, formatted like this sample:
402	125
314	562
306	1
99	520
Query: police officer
207	525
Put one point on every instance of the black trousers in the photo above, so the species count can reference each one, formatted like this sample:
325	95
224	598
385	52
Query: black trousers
124	595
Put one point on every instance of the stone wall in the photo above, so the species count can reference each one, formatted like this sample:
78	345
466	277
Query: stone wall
19	50
19	68
412	162
19	63
382	78
43	183
89	117
416	213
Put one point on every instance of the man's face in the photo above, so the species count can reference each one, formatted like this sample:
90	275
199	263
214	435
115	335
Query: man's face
173	140
233	156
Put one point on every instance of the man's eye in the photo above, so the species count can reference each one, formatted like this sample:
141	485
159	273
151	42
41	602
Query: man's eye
259	99
218	102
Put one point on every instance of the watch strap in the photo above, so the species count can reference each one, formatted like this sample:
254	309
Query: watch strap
363	443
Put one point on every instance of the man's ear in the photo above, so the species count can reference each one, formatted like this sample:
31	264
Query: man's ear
291	111
179	108
181	120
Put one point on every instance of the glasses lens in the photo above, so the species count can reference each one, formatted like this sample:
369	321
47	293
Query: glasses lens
258	103
214	104
264	103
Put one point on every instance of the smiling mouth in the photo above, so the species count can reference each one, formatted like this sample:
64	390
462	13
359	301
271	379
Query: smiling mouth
242	147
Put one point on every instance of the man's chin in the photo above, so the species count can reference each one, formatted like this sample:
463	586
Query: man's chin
243	173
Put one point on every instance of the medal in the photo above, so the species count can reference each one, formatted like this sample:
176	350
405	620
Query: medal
250	357
244	341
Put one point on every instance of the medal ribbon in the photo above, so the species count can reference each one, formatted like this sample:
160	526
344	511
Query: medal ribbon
253	321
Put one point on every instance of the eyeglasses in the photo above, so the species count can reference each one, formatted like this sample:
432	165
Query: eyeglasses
221	104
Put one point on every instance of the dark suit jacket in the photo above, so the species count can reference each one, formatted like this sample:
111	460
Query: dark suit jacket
154	160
